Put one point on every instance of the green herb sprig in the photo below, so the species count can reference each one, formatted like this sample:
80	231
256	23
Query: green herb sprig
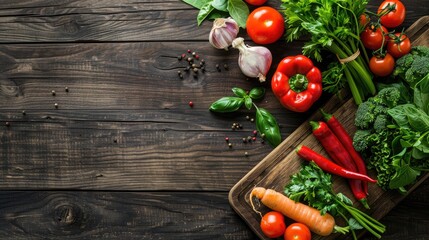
212	9
314	186
266	124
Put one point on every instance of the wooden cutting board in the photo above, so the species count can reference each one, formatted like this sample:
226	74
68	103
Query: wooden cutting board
276	168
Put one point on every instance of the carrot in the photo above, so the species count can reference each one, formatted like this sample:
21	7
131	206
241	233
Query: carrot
318	223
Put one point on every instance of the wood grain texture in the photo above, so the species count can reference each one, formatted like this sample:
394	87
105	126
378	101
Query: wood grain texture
118	215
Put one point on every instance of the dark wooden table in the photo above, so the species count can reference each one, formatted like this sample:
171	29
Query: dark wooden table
98	141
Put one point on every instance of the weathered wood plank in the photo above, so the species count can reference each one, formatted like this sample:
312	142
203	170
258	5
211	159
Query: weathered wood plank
125	20
158	215
183	151
118	75
118	215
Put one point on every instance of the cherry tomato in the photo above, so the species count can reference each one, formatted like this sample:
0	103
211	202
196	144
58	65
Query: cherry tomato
395	15
364	19
255	2
382	66
265	25
399	45
372	36
297	231
273	224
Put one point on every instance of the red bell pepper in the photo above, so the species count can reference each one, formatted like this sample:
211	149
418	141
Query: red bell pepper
297	83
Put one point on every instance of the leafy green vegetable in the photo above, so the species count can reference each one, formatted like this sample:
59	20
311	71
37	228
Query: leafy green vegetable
333	26
212	9
412	67
266	124
393	134
314	186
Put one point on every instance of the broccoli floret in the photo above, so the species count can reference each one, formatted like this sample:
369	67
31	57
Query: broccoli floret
380	123
413	66
378	105
389	96
365	115
360	140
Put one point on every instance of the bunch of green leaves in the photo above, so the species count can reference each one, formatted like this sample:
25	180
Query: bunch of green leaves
394	136
333	26
312	185
212	9
266	124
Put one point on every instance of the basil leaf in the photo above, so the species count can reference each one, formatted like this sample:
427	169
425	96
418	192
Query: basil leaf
197	3
267	125
238	11
248	102
217	14
227	104
239	92
257	93
204	12
220	5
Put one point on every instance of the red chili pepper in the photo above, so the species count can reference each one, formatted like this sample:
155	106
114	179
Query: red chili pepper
347	142
297	83
339	154
329	166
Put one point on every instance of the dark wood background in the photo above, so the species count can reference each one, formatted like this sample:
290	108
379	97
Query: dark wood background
123	155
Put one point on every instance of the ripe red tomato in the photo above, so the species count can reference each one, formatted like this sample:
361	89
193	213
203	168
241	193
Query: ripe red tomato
265	25
372	36
297	231
364	19
273	224
396	14
399	45
255	2
382	66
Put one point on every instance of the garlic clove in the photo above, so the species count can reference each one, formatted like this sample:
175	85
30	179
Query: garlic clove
253	61
223	32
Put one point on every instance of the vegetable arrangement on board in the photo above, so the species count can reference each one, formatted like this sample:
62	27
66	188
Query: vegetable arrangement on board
368	50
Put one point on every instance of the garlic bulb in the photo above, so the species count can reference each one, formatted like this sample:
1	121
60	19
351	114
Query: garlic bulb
224	30
253	61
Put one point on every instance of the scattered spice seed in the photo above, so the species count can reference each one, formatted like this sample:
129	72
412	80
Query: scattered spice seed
183	55
56	105
7	124
245	140
66	89
181	76
187	68
193	53
53	92
189	59
179	58
227	139
252	120
255	132
254	138
179	72
225	66
263	135
246	154
191	104
247	118
189	50
249	138
197	56
203	61
230	145
23	112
